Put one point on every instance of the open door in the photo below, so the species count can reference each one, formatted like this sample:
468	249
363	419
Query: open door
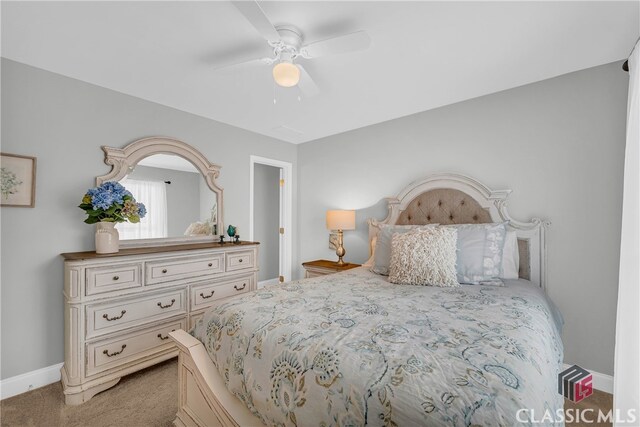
285	214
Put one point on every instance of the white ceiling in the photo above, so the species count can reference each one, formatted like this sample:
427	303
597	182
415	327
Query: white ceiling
423	55
168	161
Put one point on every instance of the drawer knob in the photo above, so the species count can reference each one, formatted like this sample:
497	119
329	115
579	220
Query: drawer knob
115	353
116	277
166	306
244	285
164	270
210	264
109	319
240	260
166	337
207	296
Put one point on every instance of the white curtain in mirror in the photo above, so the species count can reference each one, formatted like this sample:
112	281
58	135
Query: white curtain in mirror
154	196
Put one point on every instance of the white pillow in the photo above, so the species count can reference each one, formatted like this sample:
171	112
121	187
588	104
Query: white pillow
480	252
382	252
425	256
510	257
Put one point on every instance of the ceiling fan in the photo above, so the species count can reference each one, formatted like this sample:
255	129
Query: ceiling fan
287	44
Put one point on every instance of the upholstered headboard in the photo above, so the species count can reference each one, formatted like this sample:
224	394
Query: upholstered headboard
458	199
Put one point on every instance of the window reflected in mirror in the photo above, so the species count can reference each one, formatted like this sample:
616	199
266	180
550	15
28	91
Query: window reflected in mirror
178	200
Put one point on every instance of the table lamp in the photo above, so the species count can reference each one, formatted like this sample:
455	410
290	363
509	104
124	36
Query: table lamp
340	220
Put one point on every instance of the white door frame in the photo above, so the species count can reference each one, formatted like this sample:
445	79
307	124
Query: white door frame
286	251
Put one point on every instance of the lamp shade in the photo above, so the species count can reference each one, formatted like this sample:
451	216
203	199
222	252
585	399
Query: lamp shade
341	220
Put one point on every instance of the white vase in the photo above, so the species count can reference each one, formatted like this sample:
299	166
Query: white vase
107	238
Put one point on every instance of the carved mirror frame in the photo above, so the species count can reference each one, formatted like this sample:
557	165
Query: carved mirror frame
124	160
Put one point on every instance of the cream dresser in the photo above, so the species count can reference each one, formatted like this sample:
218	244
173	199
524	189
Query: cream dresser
119	308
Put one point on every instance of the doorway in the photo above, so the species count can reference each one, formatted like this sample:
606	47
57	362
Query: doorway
270	216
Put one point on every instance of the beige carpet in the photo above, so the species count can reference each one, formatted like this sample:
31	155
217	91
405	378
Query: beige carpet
146	398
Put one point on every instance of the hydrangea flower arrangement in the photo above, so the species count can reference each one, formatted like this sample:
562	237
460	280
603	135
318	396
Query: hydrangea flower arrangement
111	202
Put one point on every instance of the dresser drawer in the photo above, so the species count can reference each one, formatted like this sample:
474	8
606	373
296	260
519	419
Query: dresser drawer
113	352
182	268
239	260
115	316
203	296
113	278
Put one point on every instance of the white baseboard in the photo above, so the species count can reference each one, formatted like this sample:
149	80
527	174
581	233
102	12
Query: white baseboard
601	382
29	381
268	282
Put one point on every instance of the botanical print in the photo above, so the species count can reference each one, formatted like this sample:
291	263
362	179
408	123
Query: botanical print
17	174
10	183
352	349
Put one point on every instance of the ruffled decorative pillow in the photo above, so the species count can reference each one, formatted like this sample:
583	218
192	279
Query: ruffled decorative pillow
425	256
382	248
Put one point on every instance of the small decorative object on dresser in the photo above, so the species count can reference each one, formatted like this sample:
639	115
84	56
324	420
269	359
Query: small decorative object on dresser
107	205
340	220
323	267
120	308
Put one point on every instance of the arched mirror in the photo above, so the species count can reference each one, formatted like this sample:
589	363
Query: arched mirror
178	186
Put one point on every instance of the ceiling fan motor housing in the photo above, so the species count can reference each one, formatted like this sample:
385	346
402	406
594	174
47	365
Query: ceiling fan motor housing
290	36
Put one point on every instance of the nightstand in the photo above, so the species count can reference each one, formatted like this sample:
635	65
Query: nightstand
323	267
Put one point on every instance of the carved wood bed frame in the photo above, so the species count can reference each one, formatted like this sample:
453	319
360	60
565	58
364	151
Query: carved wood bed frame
458	199
443	198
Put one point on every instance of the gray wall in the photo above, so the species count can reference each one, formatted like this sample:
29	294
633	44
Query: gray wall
63	122
266	219
183	195
558	144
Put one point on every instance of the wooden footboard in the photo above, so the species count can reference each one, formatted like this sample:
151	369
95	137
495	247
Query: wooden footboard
203	398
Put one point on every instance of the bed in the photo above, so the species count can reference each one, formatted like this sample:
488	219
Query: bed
353	349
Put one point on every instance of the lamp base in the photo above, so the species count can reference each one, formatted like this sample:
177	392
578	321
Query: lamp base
340	251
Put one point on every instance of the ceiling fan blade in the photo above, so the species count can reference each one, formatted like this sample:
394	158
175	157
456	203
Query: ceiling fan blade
256	16
359	40
306	84
250	62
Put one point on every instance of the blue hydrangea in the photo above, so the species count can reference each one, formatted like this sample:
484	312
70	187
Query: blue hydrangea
142	210
111	202
107	194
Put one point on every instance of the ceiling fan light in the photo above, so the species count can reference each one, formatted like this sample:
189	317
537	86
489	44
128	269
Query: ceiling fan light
286	74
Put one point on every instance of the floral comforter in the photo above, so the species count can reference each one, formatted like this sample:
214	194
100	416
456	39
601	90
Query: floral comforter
352	349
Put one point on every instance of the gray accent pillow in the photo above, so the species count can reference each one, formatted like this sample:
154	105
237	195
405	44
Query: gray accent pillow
382	253
424	256
480	248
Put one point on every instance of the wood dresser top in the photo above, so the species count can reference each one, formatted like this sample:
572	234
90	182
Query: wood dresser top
76	256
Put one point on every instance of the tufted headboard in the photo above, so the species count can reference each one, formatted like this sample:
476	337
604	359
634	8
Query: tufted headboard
458	199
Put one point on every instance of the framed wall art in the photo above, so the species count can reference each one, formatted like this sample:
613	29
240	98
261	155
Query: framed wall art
18	180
